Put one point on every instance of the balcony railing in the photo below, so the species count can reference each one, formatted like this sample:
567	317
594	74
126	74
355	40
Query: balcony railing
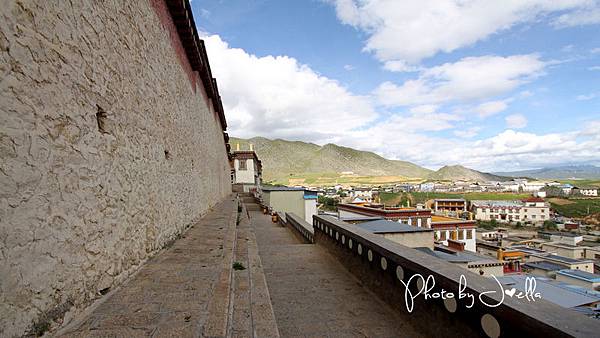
479	306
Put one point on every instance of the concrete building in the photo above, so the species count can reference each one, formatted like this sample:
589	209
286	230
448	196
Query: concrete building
299	201
533	210
476	263
587	191
563	294
566	262
444	227
578	277
248	170
404	234
563	249
450	228
410	216
501	211
454	205
542	268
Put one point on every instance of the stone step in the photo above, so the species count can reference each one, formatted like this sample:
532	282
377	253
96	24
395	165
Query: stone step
248	199
252	207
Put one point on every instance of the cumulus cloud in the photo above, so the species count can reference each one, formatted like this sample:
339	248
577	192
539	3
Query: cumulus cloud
589	15
410	31
468	132
467	79
490	108
516	121
280	97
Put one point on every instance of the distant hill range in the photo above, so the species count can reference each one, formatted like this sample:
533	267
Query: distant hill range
558	173
458	172
285	159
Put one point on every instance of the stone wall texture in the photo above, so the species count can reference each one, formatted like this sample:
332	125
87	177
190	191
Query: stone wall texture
108	151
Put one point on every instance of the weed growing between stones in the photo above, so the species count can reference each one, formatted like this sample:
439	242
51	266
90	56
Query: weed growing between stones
238	266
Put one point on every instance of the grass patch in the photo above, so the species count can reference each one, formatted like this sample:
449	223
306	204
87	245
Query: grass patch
582	183
238	266
422	197
576	207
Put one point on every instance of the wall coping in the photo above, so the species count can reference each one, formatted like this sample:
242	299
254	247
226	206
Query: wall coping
304	228
540	317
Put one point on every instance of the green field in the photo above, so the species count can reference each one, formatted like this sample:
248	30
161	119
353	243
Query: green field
422	197
576	207
582	183
330	179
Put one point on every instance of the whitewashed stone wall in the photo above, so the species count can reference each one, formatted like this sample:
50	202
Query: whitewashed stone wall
81	209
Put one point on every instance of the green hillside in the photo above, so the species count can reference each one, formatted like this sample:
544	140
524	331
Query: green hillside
294	161
458	172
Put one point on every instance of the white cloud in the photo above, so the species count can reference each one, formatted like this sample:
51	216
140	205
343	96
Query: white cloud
467	133
400	66
595	50
594	68
277	96
508	150
490	108
567	48
424	109
348	67
516	121
470	78
413	30
586	16
586	97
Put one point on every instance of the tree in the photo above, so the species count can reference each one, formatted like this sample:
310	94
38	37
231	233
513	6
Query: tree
550	225
553	191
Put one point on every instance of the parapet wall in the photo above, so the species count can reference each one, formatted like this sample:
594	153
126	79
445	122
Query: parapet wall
110	147
479	307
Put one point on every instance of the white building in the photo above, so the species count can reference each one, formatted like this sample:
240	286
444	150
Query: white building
248	169
533	210
589	191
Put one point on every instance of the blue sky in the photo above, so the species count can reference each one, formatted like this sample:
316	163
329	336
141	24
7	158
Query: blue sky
492	85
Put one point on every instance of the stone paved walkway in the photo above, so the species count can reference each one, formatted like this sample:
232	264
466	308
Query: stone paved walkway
182	292
313	295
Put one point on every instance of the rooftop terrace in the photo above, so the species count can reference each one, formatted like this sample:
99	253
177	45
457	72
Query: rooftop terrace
328	279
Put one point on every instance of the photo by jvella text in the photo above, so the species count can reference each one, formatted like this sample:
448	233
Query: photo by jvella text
425	286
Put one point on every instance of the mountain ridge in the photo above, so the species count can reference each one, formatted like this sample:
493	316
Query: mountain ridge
285	160
564	172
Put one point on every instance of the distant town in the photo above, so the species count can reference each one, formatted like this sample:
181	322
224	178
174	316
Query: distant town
511	230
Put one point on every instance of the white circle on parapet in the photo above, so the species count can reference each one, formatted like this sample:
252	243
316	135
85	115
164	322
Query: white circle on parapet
350	243
420	283
359	249
370	255
490	326
450	304
383	263
343	239
399	272
337	235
